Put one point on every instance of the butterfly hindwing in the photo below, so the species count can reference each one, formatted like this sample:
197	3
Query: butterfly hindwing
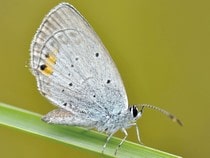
73	68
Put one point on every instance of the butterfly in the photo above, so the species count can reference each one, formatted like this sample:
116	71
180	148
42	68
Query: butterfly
75	72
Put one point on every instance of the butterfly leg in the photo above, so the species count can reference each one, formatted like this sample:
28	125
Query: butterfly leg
126	134
107	140
137	133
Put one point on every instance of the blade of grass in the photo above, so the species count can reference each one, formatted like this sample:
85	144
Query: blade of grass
74	136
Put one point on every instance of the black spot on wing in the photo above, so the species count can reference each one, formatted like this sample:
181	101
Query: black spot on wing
97	54
108	81
43	67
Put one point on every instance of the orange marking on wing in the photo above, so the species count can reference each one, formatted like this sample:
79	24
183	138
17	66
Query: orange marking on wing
46	69
51	59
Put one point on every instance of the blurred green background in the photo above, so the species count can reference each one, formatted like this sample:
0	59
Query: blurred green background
161	49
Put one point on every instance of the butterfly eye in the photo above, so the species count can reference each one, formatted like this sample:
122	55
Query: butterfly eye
135	111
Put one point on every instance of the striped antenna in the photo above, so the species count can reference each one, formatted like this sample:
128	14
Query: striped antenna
171	116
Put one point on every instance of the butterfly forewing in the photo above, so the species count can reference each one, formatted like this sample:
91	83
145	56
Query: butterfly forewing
72	67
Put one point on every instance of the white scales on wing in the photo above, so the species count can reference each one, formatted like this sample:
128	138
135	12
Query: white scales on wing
75	72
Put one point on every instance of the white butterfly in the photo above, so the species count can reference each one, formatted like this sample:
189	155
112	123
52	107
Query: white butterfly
75	72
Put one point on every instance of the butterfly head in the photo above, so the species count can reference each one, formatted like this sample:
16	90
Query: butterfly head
135	112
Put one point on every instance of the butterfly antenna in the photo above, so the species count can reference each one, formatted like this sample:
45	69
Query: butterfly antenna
171	116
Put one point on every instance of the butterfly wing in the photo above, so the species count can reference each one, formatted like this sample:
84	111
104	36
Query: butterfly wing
72	67
64	117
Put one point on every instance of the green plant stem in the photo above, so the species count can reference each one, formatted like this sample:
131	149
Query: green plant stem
74	136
